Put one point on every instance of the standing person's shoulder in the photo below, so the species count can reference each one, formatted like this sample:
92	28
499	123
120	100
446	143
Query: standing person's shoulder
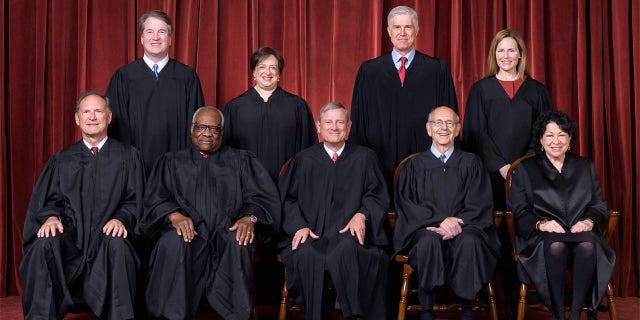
133	69
180	69
376	62
423	59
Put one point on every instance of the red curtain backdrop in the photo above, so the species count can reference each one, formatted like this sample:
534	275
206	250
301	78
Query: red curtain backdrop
587	52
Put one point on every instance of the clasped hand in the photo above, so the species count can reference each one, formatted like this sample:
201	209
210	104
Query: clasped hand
554	226
449	228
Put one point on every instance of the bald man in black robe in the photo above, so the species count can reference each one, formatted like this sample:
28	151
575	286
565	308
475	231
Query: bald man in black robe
389	113
335	200
207	202
445	224
82	213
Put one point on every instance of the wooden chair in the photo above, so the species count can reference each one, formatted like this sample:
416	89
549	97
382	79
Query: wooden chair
407	271
524	288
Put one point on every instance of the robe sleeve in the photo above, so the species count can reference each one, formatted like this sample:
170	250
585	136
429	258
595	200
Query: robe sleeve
477	208
195	101
307	130
411	214
130	208
475	135
46	201
596	210
159	200
446	90
357	134
118	94
292	218
375	201
542	105
260	196
520	201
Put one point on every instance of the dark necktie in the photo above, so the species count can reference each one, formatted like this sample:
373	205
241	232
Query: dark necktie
402	71
155	70
335	157
442	157
94	150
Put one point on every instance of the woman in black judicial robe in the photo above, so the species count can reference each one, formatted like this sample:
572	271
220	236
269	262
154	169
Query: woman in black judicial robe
501	109
271	122
560	217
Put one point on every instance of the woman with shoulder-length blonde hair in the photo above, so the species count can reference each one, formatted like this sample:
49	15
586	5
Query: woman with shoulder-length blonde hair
501	109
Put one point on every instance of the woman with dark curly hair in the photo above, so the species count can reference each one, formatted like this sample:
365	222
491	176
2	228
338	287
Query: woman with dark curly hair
560	219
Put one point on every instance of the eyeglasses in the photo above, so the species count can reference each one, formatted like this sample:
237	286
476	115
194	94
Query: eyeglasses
440	123
200	128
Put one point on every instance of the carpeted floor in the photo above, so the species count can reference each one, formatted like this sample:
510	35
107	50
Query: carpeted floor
628	309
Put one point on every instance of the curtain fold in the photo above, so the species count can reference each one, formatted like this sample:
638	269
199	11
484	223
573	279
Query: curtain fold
586	52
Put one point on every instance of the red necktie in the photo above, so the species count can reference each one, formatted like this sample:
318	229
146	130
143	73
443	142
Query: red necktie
335	157
402	71
94	150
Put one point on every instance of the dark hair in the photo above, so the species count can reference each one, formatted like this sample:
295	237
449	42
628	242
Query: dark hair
560	118
160	15
87	93
261	54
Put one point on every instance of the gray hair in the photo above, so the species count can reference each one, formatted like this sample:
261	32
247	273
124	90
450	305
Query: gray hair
402	10
209	108
333	106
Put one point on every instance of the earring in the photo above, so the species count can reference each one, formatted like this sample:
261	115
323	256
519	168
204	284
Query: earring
569	149
254	78
541	148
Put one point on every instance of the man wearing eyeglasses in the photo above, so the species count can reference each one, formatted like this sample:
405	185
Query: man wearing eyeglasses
207	202
444	224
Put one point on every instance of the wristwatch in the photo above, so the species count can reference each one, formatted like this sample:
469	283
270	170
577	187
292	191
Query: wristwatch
253	219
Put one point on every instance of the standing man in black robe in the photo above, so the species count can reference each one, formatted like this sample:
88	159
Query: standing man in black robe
154	97
335	200
395	92
206	201
445	223
81	216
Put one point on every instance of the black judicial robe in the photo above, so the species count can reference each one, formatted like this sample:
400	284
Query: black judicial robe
274	130
154	115
214	192
83	264
389	117
323	196
539	191
428	191
498	128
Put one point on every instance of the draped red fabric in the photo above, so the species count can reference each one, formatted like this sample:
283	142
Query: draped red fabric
586	52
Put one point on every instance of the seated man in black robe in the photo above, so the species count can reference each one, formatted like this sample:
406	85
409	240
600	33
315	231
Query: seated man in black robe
206	201
82	213
444	223
335	199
